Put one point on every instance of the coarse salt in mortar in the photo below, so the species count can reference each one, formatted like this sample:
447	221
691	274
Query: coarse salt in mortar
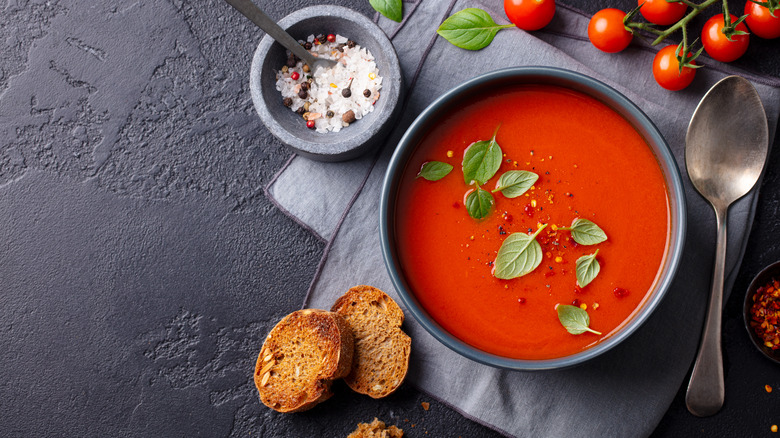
336	96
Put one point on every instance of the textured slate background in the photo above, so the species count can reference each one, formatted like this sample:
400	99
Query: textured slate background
141	265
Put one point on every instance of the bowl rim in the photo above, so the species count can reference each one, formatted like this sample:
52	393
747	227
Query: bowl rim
392	93
616	101
763	276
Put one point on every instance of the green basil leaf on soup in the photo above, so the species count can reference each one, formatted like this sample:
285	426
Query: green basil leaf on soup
434	170
519	254
479	203
392	9
470	29
574	319
587	269
514	183
482	160
586	232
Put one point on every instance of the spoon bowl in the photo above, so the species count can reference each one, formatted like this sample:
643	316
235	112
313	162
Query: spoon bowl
725	152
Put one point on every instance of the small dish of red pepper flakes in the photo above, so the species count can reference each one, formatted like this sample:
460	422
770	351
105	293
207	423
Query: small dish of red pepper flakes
765	313
762	311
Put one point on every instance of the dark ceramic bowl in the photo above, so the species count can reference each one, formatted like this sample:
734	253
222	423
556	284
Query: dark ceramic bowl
765	276
533	75
288	127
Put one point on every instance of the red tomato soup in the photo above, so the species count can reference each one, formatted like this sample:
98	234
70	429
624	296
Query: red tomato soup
592	164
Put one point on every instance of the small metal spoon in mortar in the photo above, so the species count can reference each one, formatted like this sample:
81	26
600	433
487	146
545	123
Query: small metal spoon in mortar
725	151
269	26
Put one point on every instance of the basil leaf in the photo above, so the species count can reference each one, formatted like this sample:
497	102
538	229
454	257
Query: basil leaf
470	29
587	269
574	319
479	203
514	183
519	254
482	160
586	232
392	9
434	170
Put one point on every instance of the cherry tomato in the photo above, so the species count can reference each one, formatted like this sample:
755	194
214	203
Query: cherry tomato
607	32
529	14
718	45
761	22
666	70
662	12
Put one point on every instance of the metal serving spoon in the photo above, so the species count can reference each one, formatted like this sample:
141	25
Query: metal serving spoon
269	26
725	151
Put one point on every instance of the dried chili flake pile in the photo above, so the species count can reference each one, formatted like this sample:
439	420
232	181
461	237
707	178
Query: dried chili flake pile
765	314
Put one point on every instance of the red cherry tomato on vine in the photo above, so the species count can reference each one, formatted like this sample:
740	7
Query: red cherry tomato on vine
666	70
529	14
662	12
607	32
718	45
761	22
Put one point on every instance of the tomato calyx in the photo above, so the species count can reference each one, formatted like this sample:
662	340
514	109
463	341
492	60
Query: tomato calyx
772	5
685	57
730	28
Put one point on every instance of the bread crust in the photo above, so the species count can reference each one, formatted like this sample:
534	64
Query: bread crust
300	358
382	349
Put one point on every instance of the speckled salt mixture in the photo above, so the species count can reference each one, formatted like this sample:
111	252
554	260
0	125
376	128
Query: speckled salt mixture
325	105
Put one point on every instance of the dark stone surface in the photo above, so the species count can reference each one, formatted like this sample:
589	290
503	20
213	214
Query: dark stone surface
141	264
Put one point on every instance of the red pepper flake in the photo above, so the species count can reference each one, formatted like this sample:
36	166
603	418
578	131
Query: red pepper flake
620	292
549	274
578	290
529	210
576	302
455	205
425	405
507	217
521	300
765	315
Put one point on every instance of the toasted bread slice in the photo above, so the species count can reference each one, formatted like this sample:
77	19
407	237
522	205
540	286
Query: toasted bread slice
301	357
376	429
381	357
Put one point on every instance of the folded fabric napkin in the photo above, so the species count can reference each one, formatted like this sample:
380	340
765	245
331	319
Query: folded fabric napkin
626	391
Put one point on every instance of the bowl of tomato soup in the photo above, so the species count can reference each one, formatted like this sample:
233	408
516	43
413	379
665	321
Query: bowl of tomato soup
532	218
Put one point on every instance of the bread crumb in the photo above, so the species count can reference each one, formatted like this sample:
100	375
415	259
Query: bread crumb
376	429
426	405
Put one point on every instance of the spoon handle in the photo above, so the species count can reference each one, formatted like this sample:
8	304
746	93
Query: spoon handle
269	26
706	389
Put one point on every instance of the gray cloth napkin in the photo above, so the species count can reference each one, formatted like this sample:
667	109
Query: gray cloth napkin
626	391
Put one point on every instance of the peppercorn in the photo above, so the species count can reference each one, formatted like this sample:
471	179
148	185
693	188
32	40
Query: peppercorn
307	45
295	75
291	62
350	44
348	117
300	111
310	124
306	105
329	114
303	94
304	85
321	38
340	47
347	92
306	68
331	38
366	93
306	115
287	101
